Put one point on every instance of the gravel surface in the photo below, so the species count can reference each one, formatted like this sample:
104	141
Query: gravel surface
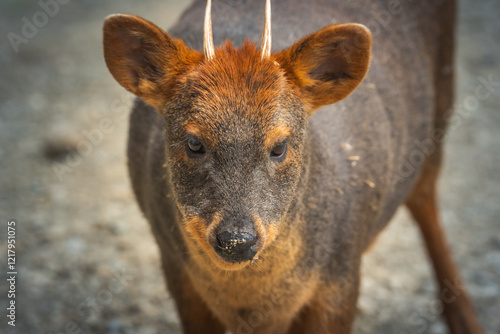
86	260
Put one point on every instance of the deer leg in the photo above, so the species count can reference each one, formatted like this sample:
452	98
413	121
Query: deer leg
458	310
194	314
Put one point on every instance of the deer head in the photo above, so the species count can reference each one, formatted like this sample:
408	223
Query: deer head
236	120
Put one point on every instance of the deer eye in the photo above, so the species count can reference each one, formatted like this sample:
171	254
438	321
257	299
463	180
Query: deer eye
195	146
279	151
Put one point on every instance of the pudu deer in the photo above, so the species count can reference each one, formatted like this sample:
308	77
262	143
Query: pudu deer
261	192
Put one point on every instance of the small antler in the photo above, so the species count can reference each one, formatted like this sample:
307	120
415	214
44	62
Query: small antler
266	35
208	40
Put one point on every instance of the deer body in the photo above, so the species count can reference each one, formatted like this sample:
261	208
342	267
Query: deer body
317	210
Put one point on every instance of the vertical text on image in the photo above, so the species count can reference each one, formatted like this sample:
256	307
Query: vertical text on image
11	272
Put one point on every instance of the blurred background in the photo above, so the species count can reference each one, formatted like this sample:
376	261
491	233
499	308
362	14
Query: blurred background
86	260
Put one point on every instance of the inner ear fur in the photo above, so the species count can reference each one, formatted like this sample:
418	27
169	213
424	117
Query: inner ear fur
143	58
328	64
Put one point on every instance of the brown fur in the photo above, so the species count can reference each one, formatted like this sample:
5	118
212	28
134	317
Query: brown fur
311	211
342	52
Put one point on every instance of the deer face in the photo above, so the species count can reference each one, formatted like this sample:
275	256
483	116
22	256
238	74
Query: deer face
235	151
235	123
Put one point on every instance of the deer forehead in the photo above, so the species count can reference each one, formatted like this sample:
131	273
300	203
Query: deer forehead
237	95
239	75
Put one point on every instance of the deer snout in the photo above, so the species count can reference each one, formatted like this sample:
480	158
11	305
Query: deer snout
236	240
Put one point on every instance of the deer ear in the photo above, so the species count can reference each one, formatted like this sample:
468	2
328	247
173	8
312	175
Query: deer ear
143	58
328	64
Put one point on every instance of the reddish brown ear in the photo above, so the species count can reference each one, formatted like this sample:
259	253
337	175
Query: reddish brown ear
143	58
328	64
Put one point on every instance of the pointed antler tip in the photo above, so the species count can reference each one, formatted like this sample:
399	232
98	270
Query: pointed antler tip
208	41
266	35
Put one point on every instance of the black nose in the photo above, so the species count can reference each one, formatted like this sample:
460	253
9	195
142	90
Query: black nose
236	240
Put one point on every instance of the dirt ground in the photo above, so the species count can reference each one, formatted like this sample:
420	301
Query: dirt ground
85	259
